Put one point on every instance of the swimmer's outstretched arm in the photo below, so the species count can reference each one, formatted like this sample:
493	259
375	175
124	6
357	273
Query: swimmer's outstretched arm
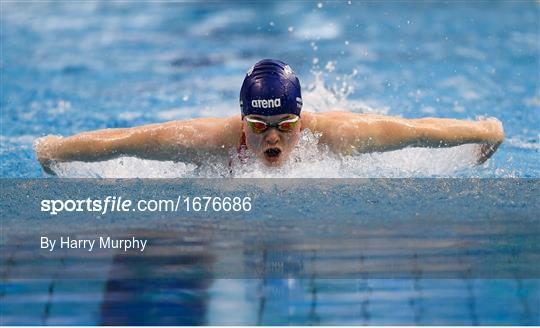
176	140
347	132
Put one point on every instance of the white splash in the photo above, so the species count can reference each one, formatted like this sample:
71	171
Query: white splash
319	97
124	167
311	160
308	160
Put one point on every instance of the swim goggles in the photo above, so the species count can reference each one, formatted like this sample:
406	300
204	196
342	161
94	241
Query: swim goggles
287	125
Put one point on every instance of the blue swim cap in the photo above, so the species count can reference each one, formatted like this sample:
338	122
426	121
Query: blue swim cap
270	88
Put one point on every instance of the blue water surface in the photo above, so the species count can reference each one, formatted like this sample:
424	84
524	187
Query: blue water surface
73	67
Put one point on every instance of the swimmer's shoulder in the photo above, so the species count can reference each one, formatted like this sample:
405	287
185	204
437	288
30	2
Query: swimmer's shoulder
233	129
324	120
228	130
209	132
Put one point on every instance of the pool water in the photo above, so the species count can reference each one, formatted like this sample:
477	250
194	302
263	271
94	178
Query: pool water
73	67
338	251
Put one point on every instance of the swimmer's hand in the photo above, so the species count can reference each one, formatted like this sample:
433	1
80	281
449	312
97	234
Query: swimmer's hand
495	134
44	148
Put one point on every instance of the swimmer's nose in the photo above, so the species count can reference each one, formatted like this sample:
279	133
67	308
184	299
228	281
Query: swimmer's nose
272	137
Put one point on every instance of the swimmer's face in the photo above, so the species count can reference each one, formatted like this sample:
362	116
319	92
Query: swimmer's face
272	145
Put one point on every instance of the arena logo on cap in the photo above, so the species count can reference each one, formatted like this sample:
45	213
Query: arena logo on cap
266	103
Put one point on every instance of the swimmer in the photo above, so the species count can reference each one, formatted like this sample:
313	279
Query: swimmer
269	126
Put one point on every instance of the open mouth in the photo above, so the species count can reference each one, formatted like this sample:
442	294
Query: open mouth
272	154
